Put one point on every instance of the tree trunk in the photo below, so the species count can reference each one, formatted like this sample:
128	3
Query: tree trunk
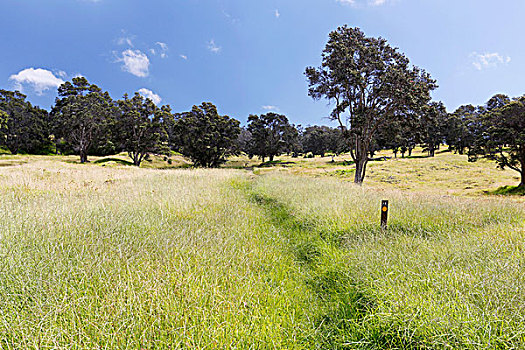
83	156
522	161
271	157
360	170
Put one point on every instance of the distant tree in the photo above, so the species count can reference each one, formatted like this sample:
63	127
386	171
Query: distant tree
433	127
204	136
460	130
272	135
244	142
370	81
139	126
25	128
503	136
317	140
81	115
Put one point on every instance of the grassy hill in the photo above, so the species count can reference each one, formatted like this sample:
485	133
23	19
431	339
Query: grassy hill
289	255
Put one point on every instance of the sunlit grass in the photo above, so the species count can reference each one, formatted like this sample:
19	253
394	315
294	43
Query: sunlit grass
447	273
114	258
117	256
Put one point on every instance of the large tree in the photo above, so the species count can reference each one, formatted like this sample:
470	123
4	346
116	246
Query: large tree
272	135
371	84
204	136
81	115
139	127
503	135
25	128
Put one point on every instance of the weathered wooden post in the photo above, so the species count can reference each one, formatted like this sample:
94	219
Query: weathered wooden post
384	214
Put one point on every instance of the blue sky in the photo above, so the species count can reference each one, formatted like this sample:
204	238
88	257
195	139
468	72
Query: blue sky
248	56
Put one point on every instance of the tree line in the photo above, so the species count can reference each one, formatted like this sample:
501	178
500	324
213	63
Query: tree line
87	121
379	99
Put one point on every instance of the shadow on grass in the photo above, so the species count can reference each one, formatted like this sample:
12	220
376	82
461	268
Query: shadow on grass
507	191
110	159
274	163
343	163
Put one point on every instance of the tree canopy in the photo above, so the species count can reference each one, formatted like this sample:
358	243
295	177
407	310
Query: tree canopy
204	136
139	129
81	115
271	135
371	83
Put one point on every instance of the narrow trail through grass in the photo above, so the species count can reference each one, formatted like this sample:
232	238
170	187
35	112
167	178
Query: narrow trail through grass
343	317
439	278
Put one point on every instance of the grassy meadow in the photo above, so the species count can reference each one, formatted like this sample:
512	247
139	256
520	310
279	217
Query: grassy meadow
286	255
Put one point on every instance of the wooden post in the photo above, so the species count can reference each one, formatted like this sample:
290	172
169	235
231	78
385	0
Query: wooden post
384	214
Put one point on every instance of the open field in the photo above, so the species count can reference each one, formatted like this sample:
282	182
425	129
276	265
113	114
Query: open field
114	256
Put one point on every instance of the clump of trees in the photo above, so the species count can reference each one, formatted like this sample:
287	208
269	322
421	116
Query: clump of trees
270	135
23	128
498	133
204	136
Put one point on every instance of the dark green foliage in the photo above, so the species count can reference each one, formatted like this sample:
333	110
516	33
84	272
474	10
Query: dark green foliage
271	135
316	139
82	116
139	125
433	127
502	136
372	86
319	140
460	133
23	128
204	136
244	142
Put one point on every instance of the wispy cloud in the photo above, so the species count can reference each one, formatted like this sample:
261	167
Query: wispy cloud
38	79
346	2
230	18
125	39
359	3
163	49
151	95
135	62
213	47
277	14
488	60
270	108
184	57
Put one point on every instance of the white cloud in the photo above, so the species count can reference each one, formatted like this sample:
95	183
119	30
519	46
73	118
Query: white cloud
125	40
163	49
488	60
184	57
61	74
270	108
362	2
347	2
135	62
277	14
151	95
213	47
39	79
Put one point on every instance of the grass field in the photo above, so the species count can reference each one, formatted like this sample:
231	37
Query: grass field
104	255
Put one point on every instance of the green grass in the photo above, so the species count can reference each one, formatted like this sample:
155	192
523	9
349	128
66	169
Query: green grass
447	273
292	257
508	191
